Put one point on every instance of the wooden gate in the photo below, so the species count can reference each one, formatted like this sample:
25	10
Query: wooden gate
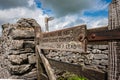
72	39
76	39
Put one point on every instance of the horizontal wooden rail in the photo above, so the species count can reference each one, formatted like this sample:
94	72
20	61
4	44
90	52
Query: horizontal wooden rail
103	35
91	74
96	34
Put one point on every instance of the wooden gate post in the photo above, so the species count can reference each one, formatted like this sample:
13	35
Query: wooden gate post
44	70
40	67
114	45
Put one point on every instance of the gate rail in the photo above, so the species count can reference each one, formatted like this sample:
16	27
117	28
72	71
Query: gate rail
103	34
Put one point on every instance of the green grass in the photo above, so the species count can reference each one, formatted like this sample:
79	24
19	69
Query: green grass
69	76
73	78
76	78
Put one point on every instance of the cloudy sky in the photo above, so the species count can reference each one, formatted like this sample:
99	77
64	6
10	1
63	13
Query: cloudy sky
66	13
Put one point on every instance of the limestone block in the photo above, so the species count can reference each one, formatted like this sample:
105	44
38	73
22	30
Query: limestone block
90	56
22	33
95	46
96	62
104	62
14	52
19	69
32	59
5	26
26	21
103	68
100	56
96	51
46	52
29	50
103	47
25	24
87	62
17	59
105	51
14	77
30	76
89	49
81	60
29	44
23	56
90	46
18	52
56	58
17	44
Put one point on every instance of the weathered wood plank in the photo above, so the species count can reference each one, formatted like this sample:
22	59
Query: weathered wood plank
114	45
40	68
91	74
97	29
104	35
70	39
46	65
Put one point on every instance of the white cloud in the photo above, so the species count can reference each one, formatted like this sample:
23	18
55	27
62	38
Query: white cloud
62	8
31	3
97	22
70	18
70	21
11	15
98	5
7	4
70	13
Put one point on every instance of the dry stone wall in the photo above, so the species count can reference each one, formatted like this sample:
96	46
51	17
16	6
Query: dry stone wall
95	58
18	50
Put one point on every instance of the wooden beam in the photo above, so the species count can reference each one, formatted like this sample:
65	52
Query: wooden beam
114	45
46	65
40	68
80	70
104	35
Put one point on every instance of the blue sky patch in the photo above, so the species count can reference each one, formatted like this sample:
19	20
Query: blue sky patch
38	3
47	11
102	13
107	0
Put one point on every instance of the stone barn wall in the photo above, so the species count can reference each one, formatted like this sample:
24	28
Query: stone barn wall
18	50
